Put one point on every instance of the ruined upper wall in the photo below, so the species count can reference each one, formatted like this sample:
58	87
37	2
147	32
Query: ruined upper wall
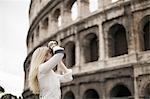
35	7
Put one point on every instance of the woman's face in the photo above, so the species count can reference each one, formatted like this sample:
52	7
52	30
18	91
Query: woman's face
48	56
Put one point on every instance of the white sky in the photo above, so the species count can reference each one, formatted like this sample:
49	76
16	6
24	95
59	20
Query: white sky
13	32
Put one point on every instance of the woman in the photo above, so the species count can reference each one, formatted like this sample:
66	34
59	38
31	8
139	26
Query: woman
42	79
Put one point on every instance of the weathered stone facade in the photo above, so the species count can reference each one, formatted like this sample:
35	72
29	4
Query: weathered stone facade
108	49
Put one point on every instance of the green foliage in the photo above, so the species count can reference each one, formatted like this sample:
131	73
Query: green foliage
8	96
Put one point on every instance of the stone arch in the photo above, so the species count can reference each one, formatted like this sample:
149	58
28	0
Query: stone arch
57	17
56	14
32	7
145	32
119	91
31	41
45	23
90	47
71	8
70	53
37	31
117	40
91	94
69	95
147	91
32	38
70	3
74	11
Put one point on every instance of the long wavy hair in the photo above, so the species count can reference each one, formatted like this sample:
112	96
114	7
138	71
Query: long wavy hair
38	58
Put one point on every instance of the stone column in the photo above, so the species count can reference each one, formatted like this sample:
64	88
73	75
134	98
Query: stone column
29	45
130	33
136	95
106	2
32	41
135	89
53	25
77	52
102	45
50	30
41	32
66	17
37	34
83	8
131	40
100	4
35	37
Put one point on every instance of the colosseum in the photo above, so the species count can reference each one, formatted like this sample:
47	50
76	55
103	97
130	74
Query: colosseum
105	64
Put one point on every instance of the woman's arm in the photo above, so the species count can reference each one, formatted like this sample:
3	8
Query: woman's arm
53	61
63	67
67	73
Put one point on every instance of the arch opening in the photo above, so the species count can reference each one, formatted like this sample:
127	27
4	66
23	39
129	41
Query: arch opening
69	95
57	17
70	54
91	94
120	91
93	5
147	92
146	30
90	48
74	11
117	41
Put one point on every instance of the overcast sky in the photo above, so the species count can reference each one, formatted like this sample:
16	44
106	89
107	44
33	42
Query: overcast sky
13	31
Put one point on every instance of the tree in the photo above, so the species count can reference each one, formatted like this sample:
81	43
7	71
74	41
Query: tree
2	90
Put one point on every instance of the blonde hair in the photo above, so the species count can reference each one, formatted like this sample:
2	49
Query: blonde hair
38	57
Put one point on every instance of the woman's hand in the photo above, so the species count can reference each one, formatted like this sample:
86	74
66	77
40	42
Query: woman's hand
52	44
